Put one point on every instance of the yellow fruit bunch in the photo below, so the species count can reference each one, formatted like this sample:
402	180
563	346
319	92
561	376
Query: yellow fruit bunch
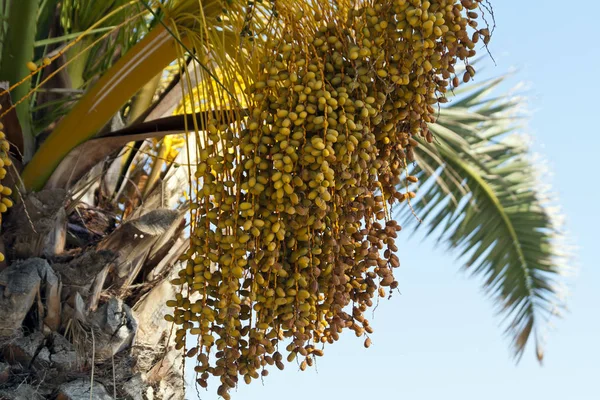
5	201
292	237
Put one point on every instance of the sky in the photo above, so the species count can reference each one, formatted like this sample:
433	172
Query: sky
441	339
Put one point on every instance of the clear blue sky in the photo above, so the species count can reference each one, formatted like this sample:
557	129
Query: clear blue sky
440	339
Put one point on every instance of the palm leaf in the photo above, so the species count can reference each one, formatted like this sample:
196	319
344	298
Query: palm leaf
479	193
17	51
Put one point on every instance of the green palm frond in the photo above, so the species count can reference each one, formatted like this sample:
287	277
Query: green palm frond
80	16
480	193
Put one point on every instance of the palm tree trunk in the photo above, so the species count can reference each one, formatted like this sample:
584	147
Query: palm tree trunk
83	303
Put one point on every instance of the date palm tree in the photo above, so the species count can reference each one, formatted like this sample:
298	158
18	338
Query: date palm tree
98	105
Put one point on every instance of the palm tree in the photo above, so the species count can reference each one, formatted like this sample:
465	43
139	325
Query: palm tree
106	110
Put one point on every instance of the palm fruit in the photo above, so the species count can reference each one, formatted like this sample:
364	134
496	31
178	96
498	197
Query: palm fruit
31	66
5	192
292	237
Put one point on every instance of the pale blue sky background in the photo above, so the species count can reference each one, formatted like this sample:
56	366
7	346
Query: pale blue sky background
440	339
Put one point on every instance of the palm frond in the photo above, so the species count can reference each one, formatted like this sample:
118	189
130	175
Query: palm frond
81	16
480	193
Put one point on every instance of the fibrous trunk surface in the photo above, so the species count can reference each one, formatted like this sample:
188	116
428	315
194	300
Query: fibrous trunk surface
83	304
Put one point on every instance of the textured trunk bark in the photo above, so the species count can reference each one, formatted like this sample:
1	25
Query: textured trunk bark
87	321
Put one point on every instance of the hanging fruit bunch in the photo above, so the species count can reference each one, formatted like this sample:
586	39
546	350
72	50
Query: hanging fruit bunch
5	192
292	235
